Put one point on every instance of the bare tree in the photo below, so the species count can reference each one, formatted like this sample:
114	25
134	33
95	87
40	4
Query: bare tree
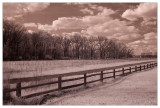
12	38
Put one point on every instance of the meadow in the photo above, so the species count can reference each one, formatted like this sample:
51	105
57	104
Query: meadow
18	69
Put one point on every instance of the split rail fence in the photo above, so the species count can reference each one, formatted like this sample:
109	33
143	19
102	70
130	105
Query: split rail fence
123	69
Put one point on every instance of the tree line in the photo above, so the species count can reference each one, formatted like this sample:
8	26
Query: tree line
18	44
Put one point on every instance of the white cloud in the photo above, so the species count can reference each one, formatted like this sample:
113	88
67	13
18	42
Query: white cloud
149	22
45	27
96	7
147	44
10	18
32	7
68	23
30	31
82	22
87	11
150	38
144	10
30	25
114	29
100	24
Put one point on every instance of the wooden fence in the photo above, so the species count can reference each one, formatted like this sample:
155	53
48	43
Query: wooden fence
86	74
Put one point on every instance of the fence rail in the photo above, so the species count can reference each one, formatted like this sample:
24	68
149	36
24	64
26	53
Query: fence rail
93	72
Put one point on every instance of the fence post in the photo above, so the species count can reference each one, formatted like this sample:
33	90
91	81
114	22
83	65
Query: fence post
130	69
147	66
101	77
59	82
18	92
144	67
114	73
155	64
140	67
135	68
123	71
85	79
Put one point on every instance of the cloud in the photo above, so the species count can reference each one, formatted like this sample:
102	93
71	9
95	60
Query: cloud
10	18
150	38
102	24
114	29
30	31
88	7
45	27
82	22
30	25
68	23
147	44
149	22
144	10
96	7
78	22
94	25
18	9
87	11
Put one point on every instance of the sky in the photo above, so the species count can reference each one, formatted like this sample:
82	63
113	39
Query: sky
134	24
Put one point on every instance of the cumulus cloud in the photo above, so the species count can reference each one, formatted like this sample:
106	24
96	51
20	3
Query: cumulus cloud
82	22
149	22
88	7
30	31
45	27
18	9
78	22
150	38
68	23
144	10
87	11
147	44
102	24
95	25
30	25
114	29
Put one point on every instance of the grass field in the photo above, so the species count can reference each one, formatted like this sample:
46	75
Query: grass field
36	68
17	69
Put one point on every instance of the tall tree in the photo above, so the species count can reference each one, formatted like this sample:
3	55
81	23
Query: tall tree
12	38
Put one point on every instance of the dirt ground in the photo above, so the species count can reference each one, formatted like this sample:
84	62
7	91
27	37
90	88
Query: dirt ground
135	89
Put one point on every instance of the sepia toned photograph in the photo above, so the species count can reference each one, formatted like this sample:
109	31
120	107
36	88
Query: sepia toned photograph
76	53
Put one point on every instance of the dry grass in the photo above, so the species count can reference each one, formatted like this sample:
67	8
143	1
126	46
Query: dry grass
35	68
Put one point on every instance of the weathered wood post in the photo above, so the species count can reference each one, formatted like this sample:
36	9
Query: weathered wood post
101	76
153	65
135	68
122	71
59	82
130	70
140	68
85	79
18	91
147	66
114	73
